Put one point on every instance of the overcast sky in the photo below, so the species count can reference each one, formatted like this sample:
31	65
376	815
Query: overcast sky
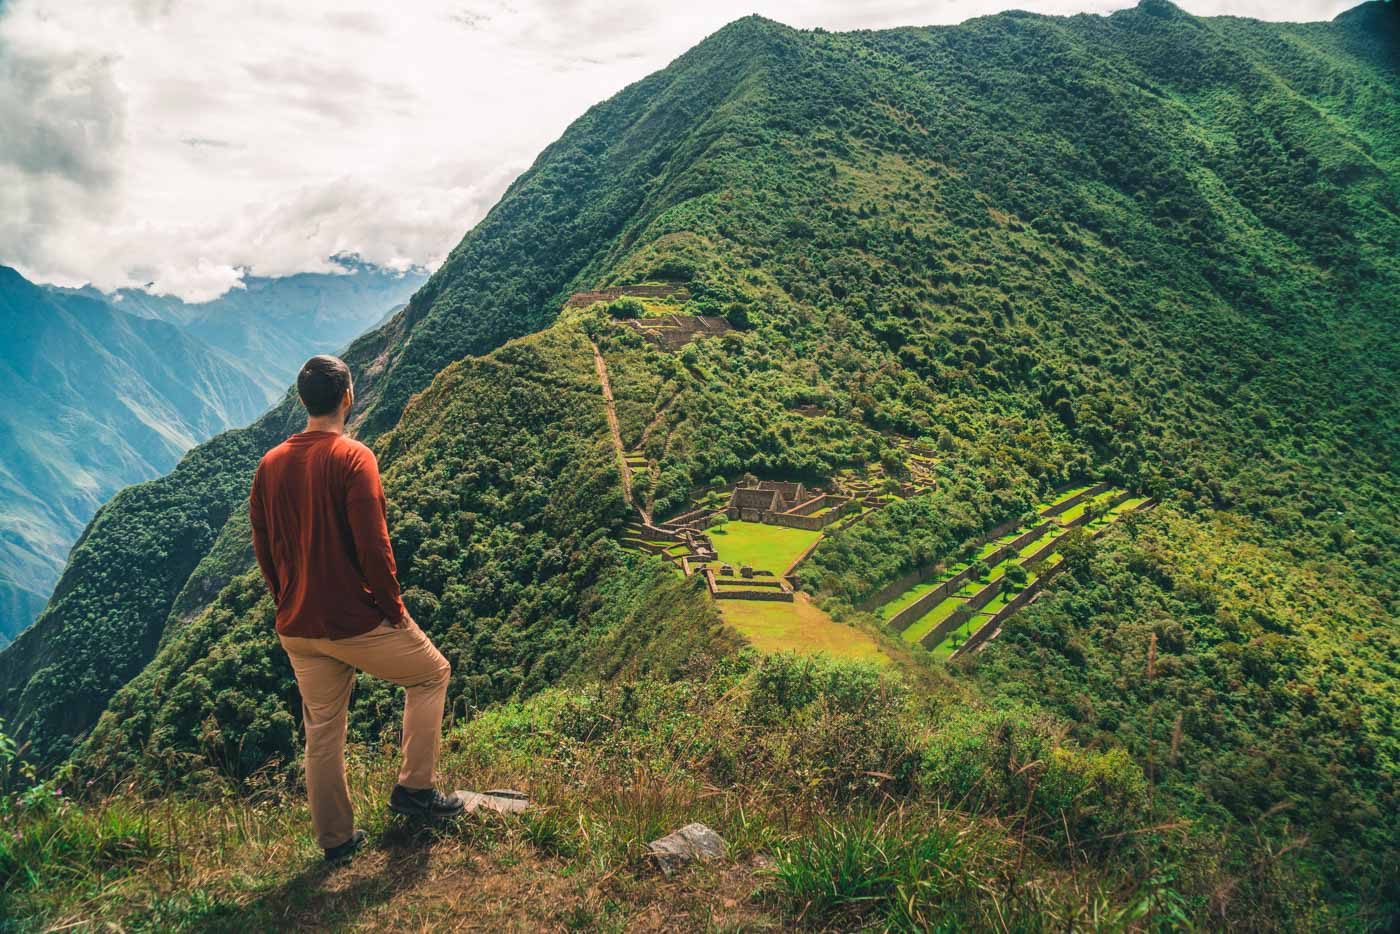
178	142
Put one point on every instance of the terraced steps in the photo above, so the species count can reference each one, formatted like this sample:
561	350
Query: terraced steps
948	610
658	291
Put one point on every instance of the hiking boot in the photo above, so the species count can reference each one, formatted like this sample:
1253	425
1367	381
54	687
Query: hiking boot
426	803
339	854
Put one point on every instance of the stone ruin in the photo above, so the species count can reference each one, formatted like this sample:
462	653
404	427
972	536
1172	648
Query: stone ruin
684	546
612	294
753	585
673	332
683	541
872	485
778	502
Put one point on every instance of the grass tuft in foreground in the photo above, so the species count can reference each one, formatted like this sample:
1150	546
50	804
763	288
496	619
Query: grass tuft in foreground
846	801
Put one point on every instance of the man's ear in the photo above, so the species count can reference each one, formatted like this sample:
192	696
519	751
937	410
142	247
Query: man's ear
349	400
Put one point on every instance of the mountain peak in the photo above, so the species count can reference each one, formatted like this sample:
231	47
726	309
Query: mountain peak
1162	9
1383	14
751	29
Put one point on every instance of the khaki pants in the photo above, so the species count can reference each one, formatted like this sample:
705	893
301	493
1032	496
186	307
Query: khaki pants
325	670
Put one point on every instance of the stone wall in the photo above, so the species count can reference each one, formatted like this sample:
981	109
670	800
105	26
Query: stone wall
922	573
675	331
1076	500
755	498
790	492
790	573
1140	507
751	581
854	516
794	520
962	614
584	299
810	506
1021	541
997	531
911	613
775	591
989	629
695	517
656	540
788	520
900	584
772	596
935	636
1082	519
981	598
1043	552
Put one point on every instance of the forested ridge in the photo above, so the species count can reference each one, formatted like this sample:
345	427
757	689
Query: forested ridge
1149	248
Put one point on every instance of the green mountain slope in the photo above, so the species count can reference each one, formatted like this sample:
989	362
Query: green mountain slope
1150	248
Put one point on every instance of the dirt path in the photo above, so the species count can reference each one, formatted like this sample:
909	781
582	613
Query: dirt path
614	428
656	420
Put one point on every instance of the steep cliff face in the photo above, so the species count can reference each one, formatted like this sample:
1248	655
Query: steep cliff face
1150	247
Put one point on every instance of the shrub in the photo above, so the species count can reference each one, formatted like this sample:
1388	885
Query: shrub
1014	764
626	307
737	315
909	875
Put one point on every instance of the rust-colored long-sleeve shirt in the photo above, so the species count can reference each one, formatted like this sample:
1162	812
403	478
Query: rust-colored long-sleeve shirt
321	539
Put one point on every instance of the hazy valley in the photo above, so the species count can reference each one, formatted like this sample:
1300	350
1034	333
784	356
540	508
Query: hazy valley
99	392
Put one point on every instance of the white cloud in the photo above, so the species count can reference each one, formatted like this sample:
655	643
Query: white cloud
180	143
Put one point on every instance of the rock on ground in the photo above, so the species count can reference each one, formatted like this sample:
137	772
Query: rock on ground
692	842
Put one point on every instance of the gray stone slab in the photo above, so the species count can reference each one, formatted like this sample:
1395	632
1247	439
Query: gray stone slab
500	800
691	843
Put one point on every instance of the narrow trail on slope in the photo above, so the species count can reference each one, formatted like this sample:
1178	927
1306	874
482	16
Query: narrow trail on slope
656	420
616	430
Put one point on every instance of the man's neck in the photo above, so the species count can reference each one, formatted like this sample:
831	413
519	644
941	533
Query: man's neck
333	424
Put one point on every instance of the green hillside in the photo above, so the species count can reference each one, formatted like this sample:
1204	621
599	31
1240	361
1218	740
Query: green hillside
509	276
959	273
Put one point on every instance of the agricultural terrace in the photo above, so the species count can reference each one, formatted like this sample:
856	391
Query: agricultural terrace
999	604
959	607
745	563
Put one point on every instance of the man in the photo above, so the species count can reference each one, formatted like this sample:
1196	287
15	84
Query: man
319	533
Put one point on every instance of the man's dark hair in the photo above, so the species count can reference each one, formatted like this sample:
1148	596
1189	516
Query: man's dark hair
322	383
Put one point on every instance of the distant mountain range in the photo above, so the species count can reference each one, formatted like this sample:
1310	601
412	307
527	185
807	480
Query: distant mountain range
99	391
